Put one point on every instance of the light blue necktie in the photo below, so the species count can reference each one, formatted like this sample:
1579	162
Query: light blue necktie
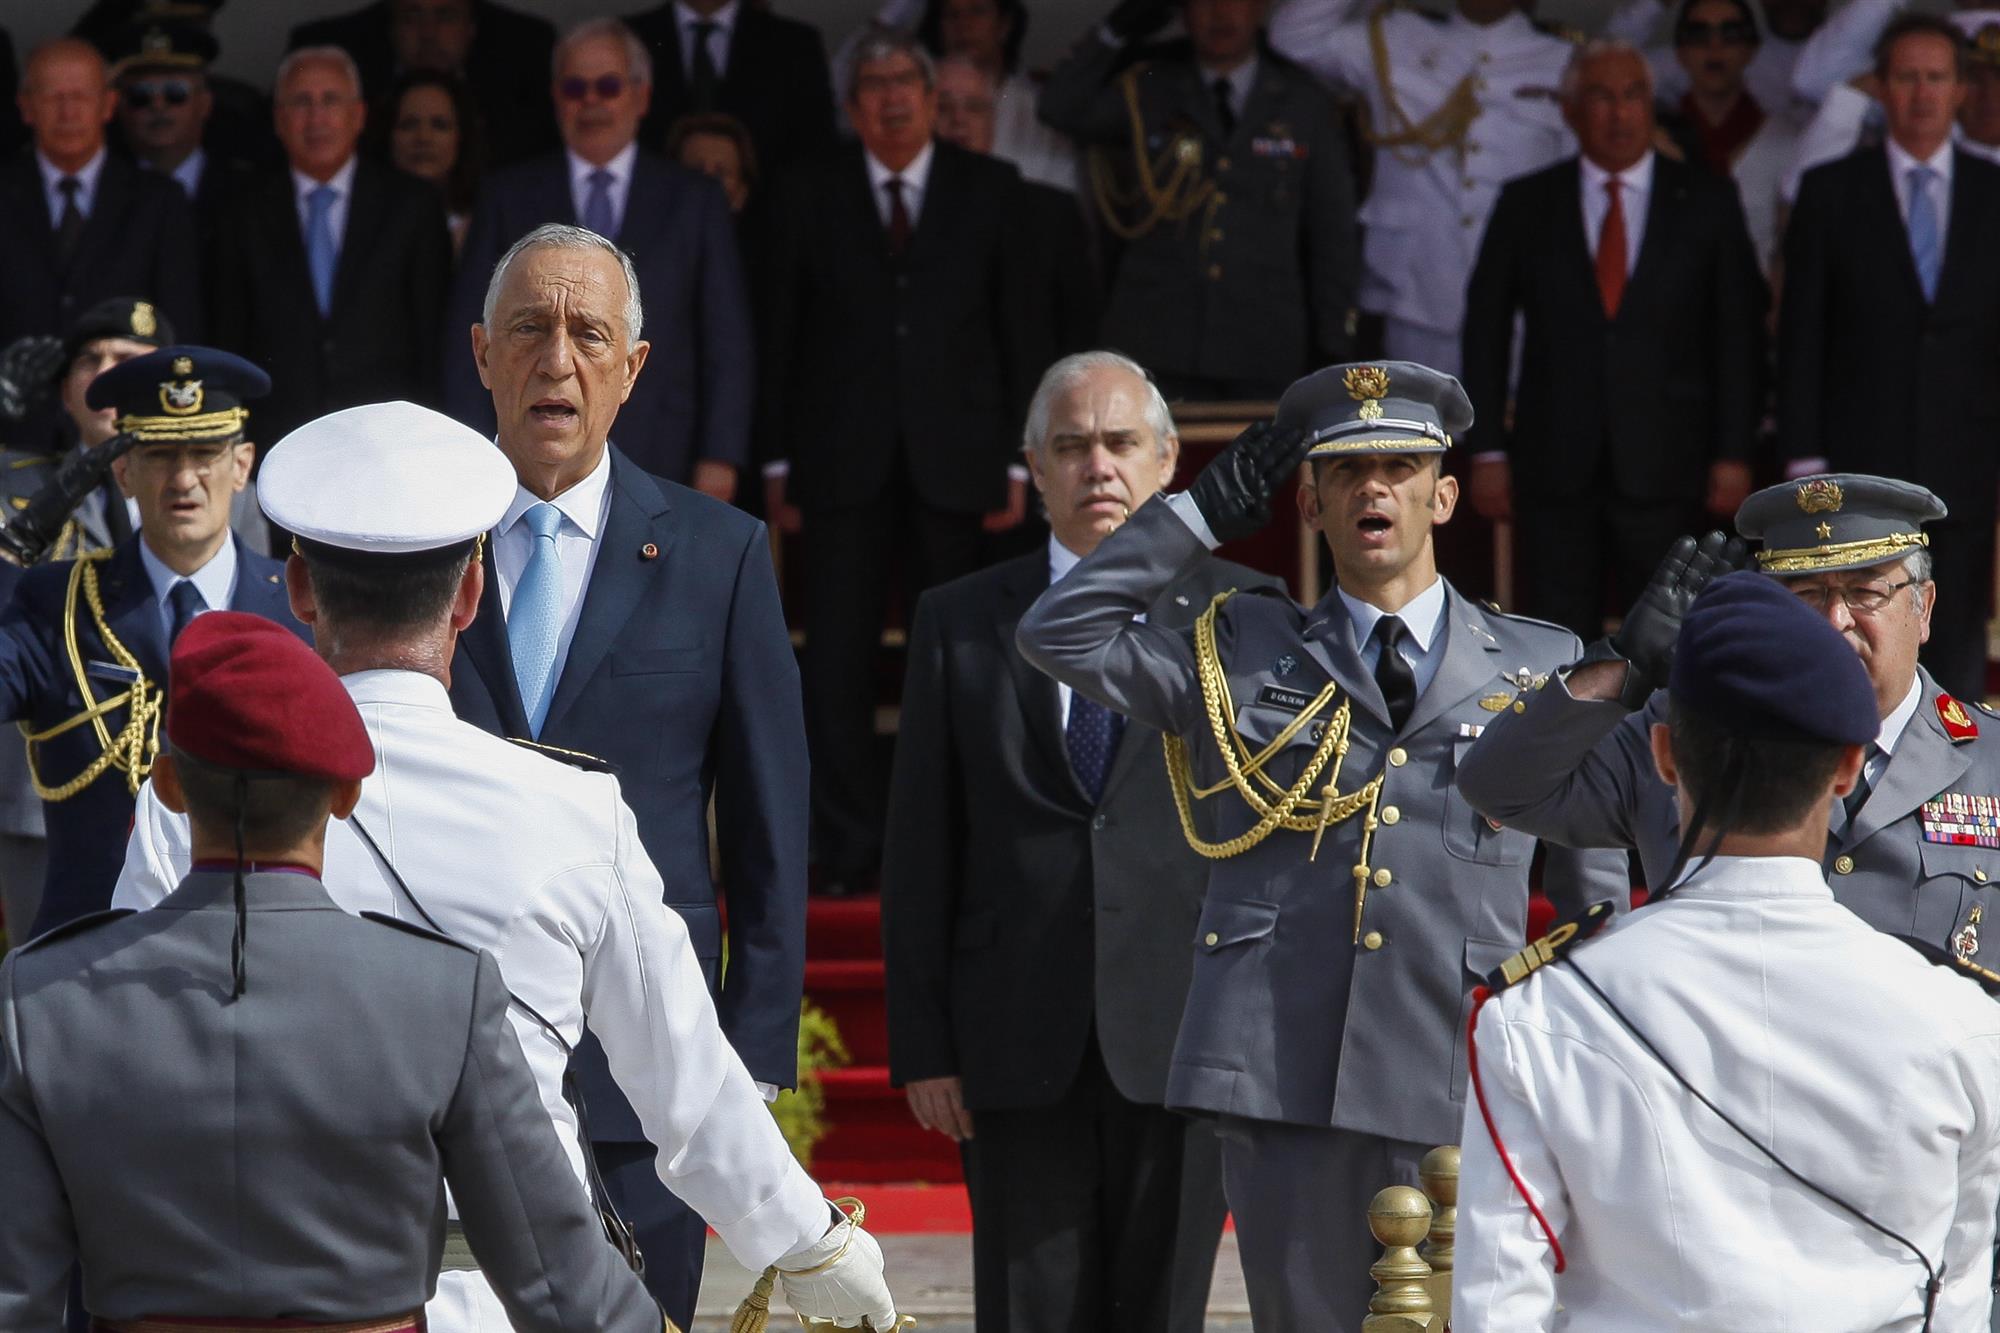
597	205
535	619
321	254
1926	246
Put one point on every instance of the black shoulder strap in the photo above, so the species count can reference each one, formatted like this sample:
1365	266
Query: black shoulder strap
1559	941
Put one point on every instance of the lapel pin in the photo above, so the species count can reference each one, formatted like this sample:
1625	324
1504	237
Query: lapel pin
649	552
1180	599
1285	665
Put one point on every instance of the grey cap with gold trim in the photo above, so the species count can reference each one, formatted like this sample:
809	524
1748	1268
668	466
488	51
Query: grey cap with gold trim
1836	521
1378	407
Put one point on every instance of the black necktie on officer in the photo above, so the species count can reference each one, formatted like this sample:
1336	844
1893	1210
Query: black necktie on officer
703	77
1225	107
186	602
1393	675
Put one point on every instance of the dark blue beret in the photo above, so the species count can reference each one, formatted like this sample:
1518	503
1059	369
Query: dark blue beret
1756	659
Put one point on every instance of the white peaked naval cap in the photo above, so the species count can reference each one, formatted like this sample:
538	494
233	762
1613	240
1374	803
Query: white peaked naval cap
386	479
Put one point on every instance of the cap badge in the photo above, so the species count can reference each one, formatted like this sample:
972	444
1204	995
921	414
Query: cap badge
180	398
183	366
157	42
1966	943
1820	496
1367	385
144	322
1824	531
1958	723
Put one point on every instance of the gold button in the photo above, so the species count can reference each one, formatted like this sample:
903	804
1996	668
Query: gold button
1211	939
1520	707
1372	940
1390	814
1214	271
1843	865
1979	875
1382	878
1215	237
1398	757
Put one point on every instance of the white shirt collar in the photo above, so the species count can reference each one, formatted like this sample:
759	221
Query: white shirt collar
620	167
1635	180
342	182
1421	615
188	173
390	685
582	504
214	580
1737	877
1061	560
86	175
1899	717
915	176
1240	80
1901	160
724	18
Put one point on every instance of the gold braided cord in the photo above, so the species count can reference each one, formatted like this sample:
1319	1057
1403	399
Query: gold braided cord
1870	552
133	749
1151	203
1445	127
1291	810
207	426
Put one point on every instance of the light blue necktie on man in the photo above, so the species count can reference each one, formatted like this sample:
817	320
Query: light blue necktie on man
597	205
535	618
1926	244
321	254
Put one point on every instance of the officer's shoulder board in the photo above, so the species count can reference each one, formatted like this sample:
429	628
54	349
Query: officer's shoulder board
1492	609
1559	941
1987	979
88	921
412	928
589	763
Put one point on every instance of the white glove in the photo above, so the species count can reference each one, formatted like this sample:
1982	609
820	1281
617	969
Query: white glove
839	1277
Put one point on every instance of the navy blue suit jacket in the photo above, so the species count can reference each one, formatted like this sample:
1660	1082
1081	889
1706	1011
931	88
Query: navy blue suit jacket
38	687
681	674
692	401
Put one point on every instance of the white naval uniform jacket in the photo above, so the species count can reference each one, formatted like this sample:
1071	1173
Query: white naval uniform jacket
1426	211
540	864
1874	1073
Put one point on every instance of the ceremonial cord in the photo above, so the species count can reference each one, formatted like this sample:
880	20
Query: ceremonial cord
138	741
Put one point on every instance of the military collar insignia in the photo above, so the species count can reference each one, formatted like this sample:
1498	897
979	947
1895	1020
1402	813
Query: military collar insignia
1820	496
1961	819
1551	946
1285	665
1957	723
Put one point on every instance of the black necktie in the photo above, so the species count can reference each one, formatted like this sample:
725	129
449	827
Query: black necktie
899	217
69	227
1225	108
1871	759
185	601
702	81
1392	673
1091	739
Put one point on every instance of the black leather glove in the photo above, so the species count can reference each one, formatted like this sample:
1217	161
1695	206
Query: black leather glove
29	533
1646	637
1234	491
27	369
1131	20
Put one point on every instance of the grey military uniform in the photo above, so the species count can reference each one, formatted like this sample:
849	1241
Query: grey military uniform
283	1154
1579	772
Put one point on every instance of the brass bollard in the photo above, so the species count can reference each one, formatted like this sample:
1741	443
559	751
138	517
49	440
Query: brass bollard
1398	1218
1439	1174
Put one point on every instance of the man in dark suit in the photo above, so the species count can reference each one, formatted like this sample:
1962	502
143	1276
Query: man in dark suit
689	420
1890	326
77	224
1642	312
1038	904
332	276
900	337
164	105
502	54
725	55
633	619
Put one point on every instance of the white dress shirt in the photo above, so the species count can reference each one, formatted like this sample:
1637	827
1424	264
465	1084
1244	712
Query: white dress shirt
342	182
1240	80
86	176
916	179
188	174
719	41
1038	152
620	188
540	864
1635	189
215	581
1902	163
1422	615
583	507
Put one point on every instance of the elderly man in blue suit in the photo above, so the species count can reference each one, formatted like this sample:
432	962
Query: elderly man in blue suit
689	419
633	619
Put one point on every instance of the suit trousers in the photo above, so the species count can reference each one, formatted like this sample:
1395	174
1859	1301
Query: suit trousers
1568	546
1962	564
24	863
671	1235
852	555
1093	1215
1300	1197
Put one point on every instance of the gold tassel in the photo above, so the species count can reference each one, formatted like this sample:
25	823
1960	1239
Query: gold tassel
755	1312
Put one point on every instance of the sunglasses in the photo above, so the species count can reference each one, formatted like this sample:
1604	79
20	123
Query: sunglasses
173	92
1733	33
606	86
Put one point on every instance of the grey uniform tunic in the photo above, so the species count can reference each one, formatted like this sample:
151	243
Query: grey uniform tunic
1290	1018
282	1154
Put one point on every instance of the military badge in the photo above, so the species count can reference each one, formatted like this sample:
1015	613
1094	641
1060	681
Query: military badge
1496	703
1471	731
145	323
1958	723
1292	701
1367	385
1965	944
180	398
1961	819
1285	665
1820	496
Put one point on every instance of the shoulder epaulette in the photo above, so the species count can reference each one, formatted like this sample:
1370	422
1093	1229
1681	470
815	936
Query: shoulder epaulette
412	928
589	763
1988	979
88	921
1551	946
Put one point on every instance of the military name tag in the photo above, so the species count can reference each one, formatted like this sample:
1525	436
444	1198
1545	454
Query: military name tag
1277	696
1962	819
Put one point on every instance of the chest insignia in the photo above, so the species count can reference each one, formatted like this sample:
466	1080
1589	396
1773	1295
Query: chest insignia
1961	819
1496	703
1292	701
1285	665
1965	944
1958	723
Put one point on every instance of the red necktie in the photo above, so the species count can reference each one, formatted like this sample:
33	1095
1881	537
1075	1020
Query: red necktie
899	217
1611	253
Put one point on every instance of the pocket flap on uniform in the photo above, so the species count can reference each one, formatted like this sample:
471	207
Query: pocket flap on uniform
1979	864
1223	923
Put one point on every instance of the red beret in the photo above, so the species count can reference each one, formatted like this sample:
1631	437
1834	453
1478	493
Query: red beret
244	692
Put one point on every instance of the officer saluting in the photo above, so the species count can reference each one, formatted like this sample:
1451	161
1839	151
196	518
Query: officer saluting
1740	1108
1915	851
1355	898
323	1075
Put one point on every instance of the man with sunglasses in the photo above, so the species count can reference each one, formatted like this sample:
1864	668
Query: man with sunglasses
1915	851
1722	123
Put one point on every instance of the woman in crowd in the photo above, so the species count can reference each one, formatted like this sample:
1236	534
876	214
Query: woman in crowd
428	127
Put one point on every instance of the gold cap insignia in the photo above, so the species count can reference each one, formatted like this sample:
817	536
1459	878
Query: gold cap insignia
157	42
144	322
1820	496
183	365
180	398
1367	385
